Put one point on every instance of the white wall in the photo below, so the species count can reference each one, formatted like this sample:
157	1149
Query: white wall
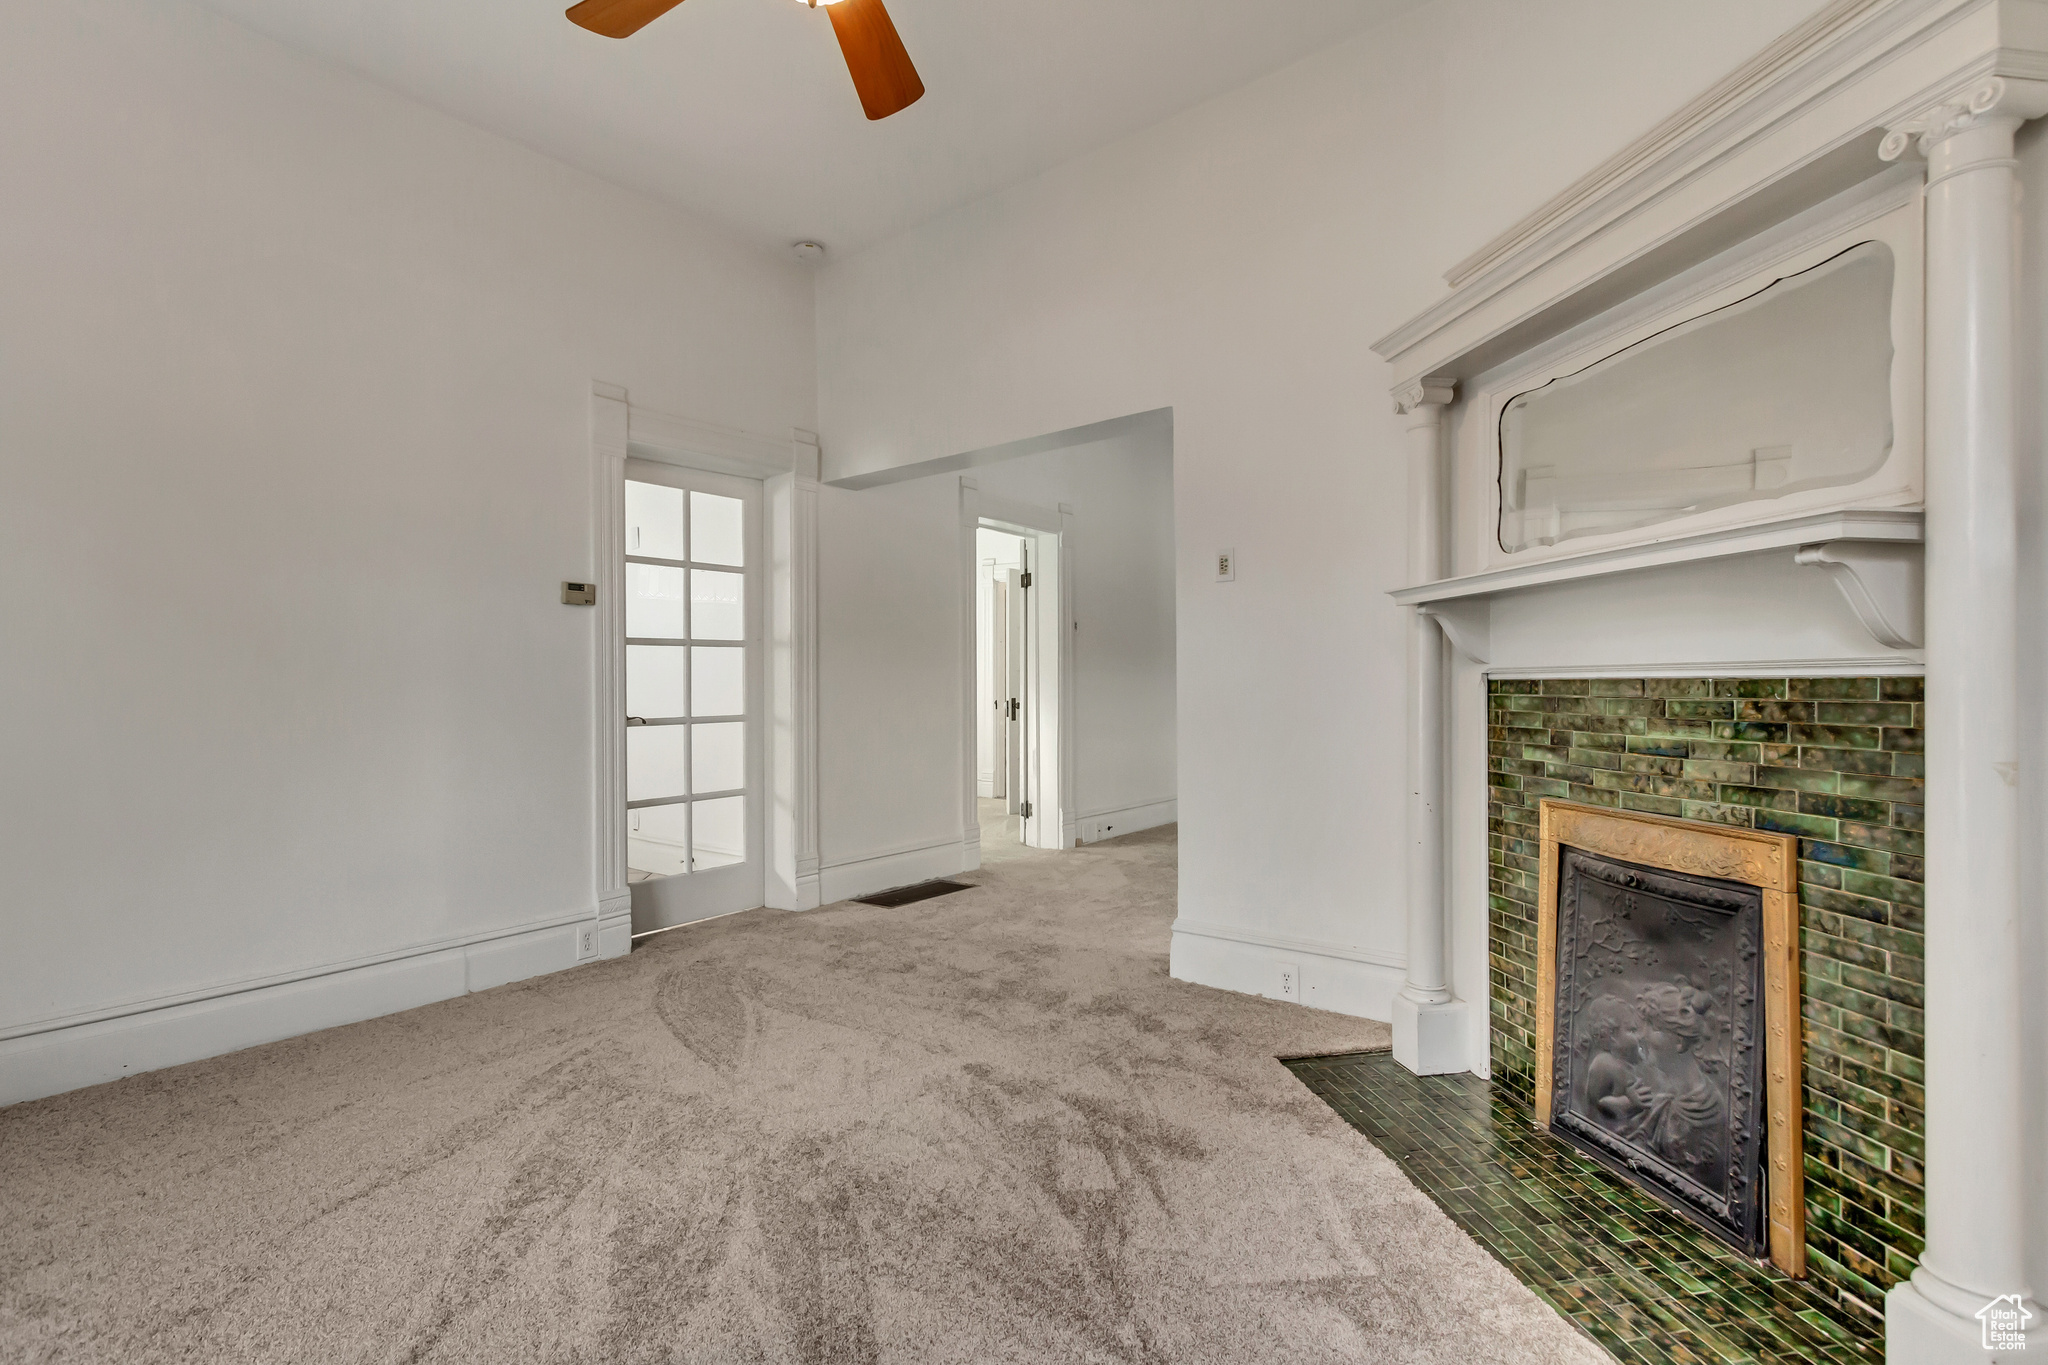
294	451
1235	263
891	655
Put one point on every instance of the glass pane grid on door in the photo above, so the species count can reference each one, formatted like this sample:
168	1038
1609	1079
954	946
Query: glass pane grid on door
686	681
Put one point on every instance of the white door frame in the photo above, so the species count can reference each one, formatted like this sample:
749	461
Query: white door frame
788	470
1052	823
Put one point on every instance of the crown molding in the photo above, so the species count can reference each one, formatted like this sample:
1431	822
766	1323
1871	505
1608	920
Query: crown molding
1790	122
1728	99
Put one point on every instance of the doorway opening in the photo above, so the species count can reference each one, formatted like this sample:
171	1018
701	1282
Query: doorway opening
1017	683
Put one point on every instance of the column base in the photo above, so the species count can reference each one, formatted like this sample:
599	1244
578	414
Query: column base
1430	1039
1919	1331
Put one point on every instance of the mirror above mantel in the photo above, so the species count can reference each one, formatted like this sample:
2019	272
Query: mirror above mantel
1777	380
1763	402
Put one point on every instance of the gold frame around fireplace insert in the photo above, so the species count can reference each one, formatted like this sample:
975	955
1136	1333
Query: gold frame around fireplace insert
1769	862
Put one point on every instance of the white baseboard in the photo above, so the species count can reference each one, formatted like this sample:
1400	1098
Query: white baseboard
1329	976
66	1057
1096	826
902	867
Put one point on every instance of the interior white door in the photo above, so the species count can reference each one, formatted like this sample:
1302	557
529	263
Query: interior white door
693	694
1016	645
999	684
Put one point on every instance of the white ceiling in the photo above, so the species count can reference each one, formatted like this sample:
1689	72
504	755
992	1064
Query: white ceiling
741	110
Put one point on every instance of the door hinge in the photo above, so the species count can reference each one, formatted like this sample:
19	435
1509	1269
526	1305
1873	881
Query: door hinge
1024	580
1027	810
1013	709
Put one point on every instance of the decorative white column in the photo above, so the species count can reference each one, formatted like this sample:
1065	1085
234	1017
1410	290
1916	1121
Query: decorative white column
1429	1026
1976	1163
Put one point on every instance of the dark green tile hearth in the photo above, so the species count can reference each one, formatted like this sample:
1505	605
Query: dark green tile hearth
1639	1279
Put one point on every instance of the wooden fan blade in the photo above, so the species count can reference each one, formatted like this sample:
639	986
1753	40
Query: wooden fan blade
881	69
618	18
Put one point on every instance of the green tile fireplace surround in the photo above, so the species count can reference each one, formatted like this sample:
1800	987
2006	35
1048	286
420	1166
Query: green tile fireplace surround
1835	761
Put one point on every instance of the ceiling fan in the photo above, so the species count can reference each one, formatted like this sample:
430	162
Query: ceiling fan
882	72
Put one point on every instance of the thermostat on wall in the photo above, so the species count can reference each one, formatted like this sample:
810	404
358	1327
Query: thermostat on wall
579	594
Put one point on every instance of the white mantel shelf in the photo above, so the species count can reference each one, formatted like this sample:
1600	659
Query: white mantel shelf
1874	557
1895	527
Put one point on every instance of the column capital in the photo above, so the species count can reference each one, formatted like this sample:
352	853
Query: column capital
1431	391
1983	101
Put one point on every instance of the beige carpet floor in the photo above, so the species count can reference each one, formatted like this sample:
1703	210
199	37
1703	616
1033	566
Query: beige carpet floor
986	1127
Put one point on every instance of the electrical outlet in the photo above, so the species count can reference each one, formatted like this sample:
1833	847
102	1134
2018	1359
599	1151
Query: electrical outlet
586	942
1290	982
1226	566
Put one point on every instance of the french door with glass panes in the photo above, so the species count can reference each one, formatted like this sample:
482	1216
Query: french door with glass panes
693	694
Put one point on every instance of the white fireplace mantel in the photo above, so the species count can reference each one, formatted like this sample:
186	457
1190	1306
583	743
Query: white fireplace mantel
1809	124
1874	557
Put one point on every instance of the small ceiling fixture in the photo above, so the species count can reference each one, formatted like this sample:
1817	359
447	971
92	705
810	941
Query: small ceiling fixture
882	74
810	253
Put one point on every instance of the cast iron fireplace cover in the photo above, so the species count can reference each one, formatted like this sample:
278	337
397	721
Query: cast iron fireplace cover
1658	1070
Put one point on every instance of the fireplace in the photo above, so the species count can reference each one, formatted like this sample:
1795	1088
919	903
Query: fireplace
1668	1037
1657	1055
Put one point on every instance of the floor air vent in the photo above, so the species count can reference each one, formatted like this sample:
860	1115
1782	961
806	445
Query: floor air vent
923	891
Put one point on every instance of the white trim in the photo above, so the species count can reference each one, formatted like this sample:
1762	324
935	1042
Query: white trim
1902	526
1377	957
1346	980
1889	666
610	423
1014	515
1116	821
706	445
788	470
906	866
106	1045
221	990
1073	437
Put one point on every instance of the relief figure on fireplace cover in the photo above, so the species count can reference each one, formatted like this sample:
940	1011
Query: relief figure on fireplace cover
1644	1080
